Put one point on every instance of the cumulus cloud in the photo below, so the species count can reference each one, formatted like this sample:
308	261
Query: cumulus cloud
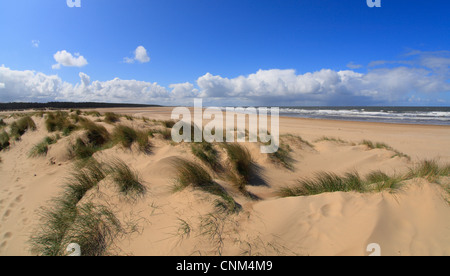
325	86
36	86
425	78
64	58
29	86
427	74
140	55
183	90
116	90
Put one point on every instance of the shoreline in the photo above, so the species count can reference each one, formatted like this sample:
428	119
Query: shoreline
166	111
420	141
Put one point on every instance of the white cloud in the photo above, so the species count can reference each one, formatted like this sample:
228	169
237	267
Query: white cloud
36	86
115	90
183	90
29	86
35	43
85	79
2	85
426	78
128	60
329	87
140	54
64	58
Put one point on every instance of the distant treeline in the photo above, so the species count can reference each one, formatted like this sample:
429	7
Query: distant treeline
66	105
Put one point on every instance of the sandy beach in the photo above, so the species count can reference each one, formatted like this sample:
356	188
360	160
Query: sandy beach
410	220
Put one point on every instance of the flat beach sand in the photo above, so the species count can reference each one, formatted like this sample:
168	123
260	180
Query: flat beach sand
412	220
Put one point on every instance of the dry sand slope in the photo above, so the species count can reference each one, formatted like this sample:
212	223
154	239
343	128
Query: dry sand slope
412	220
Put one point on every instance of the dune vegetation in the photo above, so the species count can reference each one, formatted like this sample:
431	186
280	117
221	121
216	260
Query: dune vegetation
241	165
19	127
206	153
42	148
4	140
128	181
376	181
69	219
59	121
189	173
114	160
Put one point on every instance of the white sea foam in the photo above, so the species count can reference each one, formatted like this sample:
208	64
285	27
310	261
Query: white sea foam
382	115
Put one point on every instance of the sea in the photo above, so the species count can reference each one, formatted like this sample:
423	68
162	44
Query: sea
383	114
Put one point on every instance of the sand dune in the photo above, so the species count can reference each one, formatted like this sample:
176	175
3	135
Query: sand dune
413	220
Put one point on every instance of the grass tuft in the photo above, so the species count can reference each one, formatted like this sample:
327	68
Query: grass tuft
166	133
207	154
428	169
283	156
126	136
96	138
189	173
77	118
371	145
81	150
375	181
49	238
19	127
4	140
96	134
368	143
59	121
382	181
241	164
111	118
92	113
143	142
41	149
168	123
127	180
84	179
325	182
295	139
331	139
92	227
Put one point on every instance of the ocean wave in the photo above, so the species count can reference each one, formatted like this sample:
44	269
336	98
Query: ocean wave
418	116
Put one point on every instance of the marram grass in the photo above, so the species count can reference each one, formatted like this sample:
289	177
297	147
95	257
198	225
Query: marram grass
242	166
127	180
19	127
41	148
64	221
375	181
189	173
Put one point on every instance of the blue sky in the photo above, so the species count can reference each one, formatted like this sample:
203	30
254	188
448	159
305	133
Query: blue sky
320	52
